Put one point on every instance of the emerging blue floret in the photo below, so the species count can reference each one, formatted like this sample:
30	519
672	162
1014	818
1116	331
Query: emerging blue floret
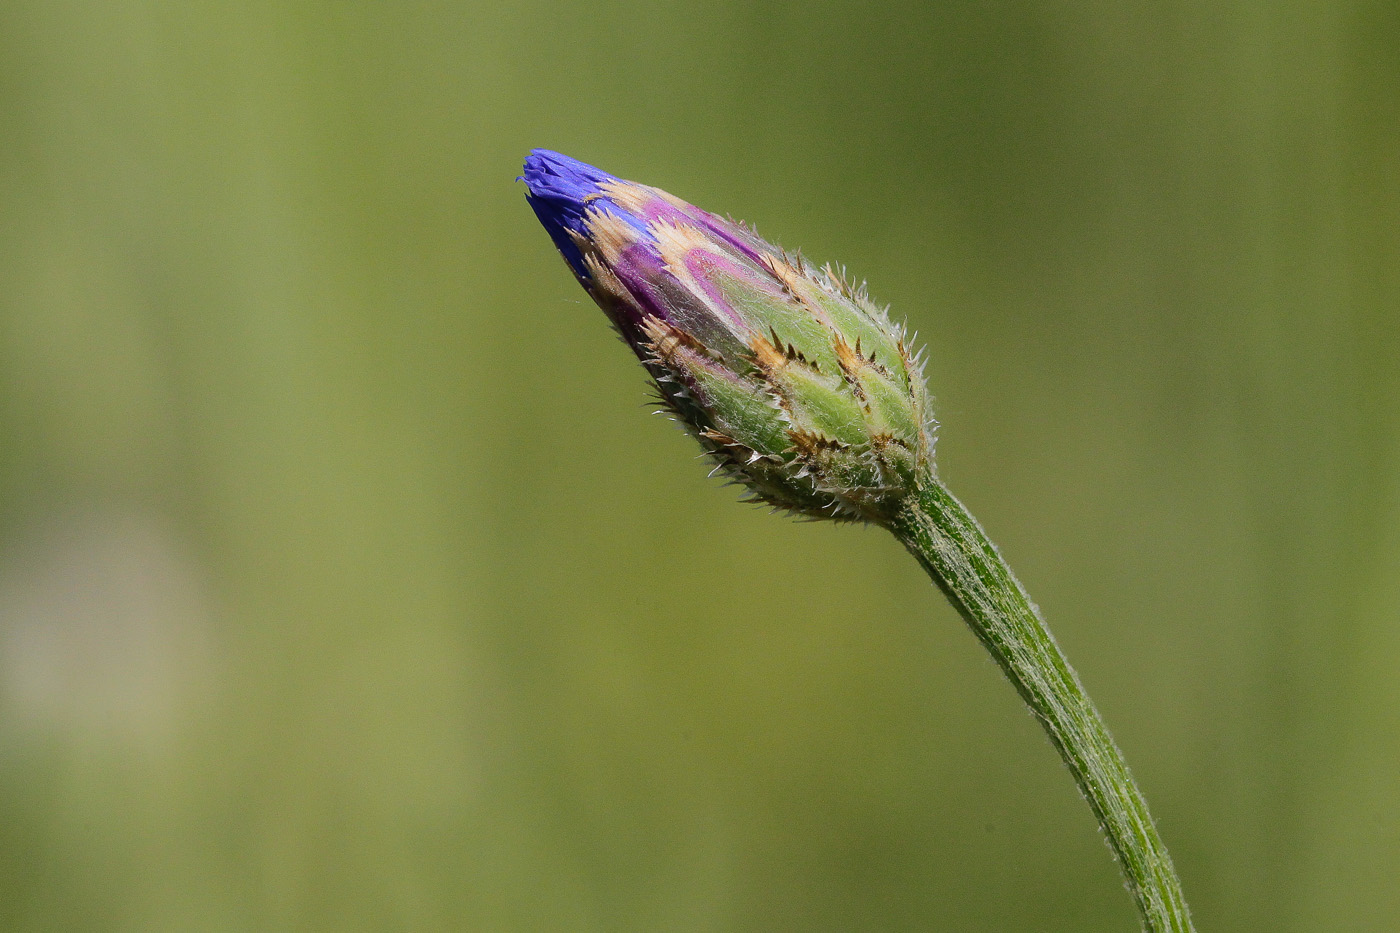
560	190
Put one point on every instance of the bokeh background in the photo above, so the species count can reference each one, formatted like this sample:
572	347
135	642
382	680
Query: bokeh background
346	582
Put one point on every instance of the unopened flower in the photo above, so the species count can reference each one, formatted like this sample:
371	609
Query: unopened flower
804	391
796	383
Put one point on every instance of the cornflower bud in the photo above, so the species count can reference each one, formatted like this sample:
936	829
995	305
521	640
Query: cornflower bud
796	383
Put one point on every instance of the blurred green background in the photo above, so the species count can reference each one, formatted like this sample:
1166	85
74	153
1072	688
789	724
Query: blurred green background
347	584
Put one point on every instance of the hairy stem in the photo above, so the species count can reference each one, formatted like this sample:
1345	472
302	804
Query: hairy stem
970	570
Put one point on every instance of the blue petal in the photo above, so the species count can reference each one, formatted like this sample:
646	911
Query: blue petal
560	190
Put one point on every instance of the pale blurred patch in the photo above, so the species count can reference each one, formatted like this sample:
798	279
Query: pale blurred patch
103	628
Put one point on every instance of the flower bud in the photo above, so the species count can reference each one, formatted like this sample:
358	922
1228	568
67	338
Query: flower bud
793	381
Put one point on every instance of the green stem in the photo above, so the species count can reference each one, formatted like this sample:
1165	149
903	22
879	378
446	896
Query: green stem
955	551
